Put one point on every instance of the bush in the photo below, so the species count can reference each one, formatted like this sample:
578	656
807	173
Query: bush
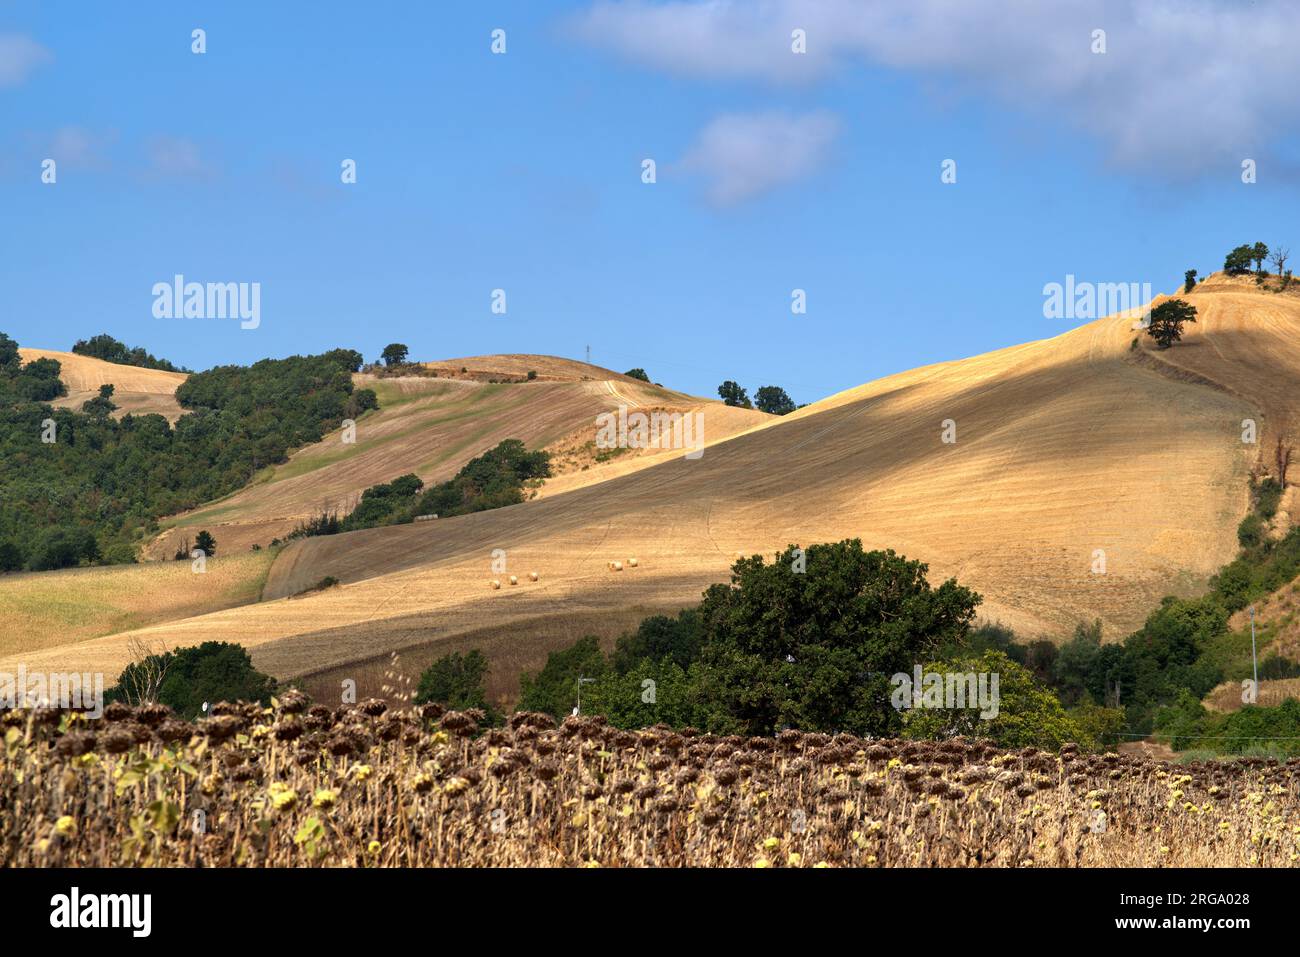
63	548
457	682
554	689
119	553
11	557
1027	714
211	672
108	349
1250	533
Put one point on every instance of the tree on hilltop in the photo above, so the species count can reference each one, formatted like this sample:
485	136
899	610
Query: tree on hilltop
1259	253
774	400
732	394
1237	262
394	354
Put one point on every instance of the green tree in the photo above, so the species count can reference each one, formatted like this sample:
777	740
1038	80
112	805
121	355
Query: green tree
637	373
101	404
1104	726
773	400
11	557
732	394
815	649
458	682
1259	252
1250	533
349	359
1074	673
394	354
1189	280
205	543
1167	319
108	349
1237	262
1027	714
648	693
554	689
63	548
658	637
211	672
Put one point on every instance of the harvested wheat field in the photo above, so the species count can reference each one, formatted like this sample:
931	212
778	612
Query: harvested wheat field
294	785
430	427
44	609
135	390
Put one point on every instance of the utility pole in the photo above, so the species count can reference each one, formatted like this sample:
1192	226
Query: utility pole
581	681
588	355
1254	664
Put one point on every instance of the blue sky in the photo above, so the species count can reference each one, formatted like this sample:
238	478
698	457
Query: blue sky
522	172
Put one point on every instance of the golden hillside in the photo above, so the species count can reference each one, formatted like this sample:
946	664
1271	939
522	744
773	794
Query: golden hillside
432	427
135	390
1066	448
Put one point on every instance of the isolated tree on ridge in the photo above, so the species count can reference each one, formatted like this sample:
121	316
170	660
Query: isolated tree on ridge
394	354
1167	320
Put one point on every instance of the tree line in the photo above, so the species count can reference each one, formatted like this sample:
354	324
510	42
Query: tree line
85	488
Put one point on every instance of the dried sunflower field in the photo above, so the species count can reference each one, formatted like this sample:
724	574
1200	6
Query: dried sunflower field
364	786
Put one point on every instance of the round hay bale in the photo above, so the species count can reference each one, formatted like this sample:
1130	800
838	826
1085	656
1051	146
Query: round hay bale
631	563
532	576
514	580
618	566
495	583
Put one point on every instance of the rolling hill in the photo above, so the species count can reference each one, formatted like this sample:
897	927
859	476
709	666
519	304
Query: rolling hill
1068	450
135	390
432	427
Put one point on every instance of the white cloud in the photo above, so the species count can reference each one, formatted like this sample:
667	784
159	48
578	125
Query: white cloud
79	148
1185	85
19	56
746	155
177	156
